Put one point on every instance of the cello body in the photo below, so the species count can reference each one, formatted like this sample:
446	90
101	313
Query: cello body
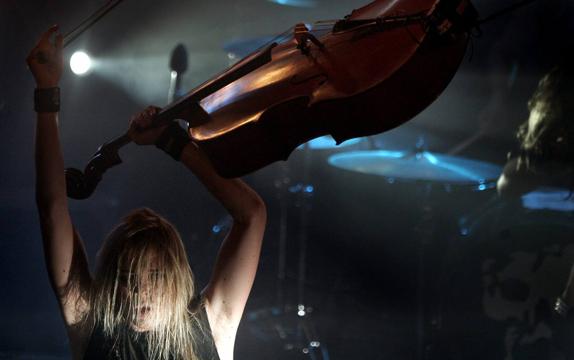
363	75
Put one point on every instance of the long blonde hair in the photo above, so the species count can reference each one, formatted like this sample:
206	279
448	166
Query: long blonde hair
145	252
552	137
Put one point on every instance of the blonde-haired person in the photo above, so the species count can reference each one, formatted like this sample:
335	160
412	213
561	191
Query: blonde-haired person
546	157
141	302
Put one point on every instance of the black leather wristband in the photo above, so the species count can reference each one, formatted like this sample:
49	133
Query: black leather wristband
172	140
47	100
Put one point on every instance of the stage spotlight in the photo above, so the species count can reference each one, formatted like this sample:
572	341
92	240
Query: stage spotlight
80	63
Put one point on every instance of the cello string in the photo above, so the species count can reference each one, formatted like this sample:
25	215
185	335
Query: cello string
505	11
223	72
318	25
287	33
279	38
325	22
90	21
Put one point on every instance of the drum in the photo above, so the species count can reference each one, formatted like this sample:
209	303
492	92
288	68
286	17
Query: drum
502	276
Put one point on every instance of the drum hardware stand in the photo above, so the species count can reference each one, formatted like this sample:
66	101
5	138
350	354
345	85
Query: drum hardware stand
424	231
292	324
431	173
428	321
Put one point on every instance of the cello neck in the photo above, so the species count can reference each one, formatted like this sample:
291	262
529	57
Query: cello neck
188	108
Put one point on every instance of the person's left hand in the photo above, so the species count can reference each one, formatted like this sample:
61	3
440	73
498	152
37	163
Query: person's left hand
45	60
141	129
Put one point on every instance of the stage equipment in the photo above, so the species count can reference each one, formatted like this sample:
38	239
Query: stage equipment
327	143
289	322
296	3
286	330
428	173
80	63
349	78
178	66
542	184
420	166
507	267
524	173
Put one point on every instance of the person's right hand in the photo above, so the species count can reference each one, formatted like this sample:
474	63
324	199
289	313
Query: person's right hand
45	60
141	128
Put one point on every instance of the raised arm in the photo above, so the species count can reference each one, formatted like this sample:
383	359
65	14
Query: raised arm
238	258
63	250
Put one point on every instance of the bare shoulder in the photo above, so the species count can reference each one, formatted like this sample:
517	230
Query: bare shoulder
224	331
74	298
75	309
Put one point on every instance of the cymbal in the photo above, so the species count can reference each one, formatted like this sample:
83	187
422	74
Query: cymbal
327	142
419	166
546	198
297	3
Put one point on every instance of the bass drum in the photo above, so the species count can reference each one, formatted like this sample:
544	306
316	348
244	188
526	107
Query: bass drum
502	277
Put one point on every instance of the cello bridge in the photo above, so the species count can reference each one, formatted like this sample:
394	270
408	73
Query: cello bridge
303	36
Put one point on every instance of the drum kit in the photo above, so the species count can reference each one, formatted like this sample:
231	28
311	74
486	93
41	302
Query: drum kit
427	172
505	253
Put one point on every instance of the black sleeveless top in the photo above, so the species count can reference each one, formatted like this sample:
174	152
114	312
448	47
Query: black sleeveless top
131	345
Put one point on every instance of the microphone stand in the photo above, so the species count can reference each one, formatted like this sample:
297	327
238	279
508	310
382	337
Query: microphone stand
178	65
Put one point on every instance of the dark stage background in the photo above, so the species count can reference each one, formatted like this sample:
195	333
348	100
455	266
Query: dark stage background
364	232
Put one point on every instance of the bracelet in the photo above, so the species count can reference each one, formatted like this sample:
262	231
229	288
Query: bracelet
172	140
47	100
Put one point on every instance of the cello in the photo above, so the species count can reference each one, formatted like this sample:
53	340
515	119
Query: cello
362	75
